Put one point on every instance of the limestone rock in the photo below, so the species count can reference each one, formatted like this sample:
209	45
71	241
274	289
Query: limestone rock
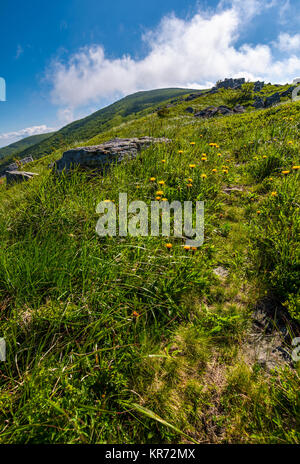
99	156
18	176
212	111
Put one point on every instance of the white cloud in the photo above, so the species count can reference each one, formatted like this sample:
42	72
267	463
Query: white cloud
199	50
11	137
288	43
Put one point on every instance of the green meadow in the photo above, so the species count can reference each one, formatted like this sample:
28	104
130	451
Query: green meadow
128	340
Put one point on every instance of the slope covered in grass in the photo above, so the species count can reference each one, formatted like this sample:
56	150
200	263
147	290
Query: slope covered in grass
7	154
125	340
101	120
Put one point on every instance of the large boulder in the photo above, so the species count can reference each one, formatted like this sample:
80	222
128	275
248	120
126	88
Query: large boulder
18	176
99	156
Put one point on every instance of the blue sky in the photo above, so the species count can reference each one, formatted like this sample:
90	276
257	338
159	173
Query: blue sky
62	60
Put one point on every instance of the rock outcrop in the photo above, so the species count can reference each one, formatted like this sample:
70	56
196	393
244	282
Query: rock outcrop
272	99
18	176
231	83
212	111
98	157
15	166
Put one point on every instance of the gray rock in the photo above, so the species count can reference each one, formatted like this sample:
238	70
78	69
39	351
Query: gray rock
258	85
231	83
14	166
272	100
189	109
18	176
258	103
239	109
212	111
287	92
221	272
99	156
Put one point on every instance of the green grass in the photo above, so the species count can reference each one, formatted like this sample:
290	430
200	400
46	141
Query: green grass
122	340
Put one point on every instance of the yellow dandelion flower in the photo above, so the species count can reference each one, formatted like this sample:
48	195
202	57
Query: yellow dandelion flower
152	179
186	247
192	166
189	185
274	194
285	172
214	170
258	211
163	161
295	168
192	143
161	182
203	158
157	198
190	180
219	154
290	142
164	199
265	156
203	176
180	151
169	245
159	192
225	171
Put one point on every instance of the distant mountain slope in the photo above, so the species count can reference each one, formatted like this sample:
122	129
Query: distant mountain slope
14	148
103	119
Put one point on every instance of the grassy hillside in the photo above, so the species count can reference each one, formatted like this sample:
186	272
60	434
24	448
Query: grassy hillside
12	150
108	117
125	340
